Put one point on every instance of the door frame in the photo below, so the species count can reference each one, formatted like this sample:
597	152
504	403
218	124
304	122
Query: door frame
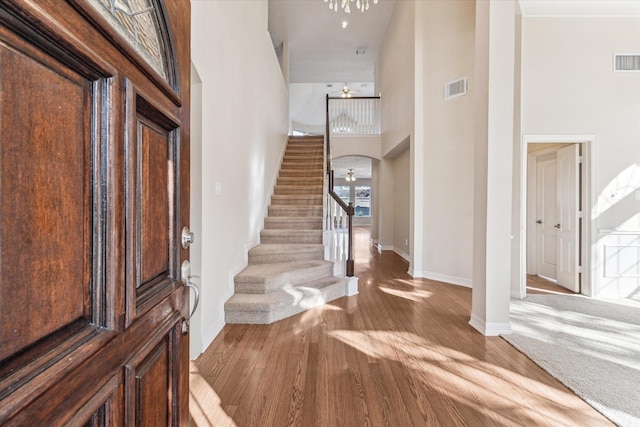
588	144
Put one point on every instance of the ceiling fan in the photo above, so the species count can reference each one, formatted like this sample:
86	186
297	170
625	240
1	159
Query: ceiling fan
346	92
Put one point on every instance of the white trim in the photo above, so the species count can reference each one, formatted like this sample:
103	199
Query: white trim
445	278
588	191
212	332
490	329
384	248
404	255
414	273
274	181
352	286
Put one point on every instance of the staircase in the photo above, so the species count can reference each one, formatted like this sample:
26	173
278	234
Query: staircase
287	273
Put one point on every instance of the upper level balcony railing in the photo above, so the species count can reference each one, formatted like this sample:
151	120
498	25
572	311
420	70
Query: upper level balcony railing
354	116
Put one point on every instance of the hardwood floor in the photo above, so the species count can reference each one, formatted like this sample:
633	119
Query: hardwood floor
400	353
540	285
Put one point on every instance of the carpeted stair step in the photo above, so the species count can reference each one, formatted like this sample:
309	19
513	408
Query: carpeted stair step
298	189
295	210
293	223
280	199
304	151
300	180
291	236
265	278
307	164
270	253
274	306
298	173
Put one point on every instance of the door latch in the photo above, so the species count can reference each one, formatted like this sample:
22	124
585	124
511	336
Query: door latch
187	237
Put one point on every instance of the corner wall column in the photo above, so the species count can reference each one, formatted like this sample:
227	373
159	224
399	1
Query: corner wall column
494	75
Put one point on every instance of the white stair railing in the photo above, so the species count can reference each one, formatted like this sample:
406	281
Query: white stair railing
337	231
354	116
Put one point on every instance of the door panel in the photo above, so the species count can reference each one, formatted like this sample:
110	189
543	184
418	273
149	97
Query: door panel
155	206
568	218
93	188
546	213
45	200
150	382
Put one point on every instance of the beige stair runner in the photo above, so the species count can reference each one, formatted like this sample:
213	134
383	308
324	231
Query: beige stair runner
287	273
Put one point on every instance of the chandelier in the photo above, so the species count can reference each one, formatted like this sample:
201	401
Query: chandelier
361	5
351	176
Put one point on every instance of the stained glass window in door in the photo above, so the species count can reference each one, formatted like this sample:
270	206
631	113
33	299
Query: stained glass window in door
137	22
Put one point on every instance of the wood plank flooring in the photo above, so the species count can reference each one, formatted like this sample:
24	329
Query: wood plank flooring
400	353
540	285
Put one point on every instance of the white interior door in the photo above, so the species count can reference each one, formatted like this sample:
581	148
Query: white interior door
546	212
568	217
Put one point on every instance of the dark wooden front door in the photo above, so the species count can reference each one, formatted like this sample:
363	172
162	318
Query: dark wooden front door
94	178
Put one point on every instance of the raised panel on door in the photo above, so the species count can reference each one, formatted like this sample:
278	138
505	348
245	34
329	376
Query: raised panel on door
155	208
45	229
150	381
152	177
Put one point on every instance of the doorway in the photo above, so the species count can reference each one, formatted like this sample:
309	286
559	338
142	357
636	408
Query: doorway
556	182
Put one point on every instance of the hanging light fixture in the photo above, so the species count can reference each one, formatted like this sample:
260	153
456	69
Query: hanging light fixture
351	176
361	5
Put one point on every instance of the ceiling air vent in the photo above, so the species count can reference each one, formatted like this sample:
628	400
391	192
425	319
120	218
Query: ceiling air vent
625	62
455	88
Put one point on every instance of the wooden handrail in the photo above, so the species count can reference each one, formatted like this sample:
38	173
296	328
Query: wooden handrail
353	97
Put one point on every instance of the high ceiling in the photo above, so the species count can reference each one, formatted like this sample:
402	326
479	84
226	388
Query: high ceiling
320	50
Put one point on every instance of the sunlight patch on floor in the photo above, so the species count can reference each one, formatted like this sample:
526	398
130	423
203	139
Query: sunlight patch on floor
545	291
457	375
204	404
416	296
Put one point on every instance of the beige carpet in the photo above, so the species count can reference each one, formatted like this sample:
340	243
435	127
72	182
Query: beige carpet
592	346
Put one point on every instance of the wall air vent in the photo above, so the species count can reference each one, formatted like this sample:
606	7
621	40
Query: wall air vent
455	88
626	62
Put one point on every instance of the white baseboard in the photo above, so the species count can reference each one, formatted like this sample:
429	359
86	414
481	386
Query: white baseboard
352	286
489	329
384	247
211	333
414	273
454	280
404	255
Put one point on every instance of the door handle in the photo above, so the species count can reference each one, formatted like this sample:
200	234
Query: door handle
185	278
538	222
196	291
557	226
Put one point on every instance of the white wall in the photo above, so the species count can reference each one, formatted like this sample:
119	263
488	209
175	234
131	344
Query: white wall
243	138
363	145
568	87
395	82
448	51
401	226
395	77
